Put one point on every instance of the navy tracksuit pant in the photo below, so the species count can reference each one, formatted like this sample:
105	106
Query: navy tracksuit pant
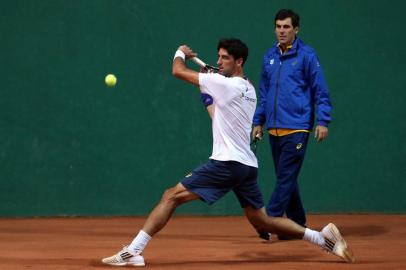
288	154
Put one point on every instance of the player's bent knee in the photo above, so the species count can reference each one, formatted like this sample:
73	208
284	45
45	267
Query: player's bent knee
176	195
259	219
168	195
255	216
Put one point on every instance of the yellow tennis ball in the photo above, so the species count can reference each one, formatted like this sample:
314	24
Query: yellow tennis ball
110	80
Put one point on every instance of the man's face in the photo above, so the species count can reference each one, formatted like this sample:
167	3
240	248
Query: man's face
285	32
226	63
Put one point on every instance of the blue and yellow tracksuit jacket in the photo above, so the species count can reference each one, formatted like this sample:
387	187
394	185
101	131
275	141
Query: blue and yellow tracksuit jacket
292	89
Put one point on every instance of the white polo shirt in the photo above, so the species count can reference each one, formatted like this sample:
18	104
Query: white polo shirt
234	107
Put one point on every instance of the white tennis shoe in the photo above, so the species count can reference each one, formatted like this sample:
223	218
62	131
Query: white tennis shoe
125	257
335	243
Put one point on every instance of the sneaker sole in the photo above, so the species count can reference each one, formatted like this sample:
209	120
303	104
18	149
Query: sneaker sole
113	262
124	264
347	255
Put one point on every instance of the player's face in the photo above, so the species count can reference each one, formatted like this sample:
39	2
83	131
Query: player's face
285	32
226	63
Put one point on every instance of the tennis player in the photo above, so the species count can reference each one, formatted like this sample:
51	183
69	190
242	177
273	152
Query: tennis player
232	165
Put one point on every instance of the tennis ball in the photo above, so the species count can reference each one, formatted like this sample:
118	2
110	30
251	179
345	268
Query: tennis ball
110	80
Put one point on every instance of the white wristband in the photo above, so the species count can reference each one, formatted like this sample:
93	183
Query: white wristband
180	54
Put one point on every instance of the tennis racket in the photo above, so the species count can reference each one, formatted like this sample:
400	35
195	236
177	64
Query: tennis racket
204	65
254	144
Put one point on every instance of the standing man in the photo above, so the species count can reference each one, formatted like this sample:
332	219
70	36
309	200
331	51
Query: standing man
292	89
232	165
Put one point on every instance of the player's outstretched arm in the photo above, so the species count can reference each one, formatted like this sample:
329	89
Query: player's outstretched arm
179	69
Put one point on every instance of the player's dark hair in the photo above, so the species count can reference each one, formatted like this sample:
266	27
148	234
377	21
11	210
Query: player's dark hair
234	47
288	13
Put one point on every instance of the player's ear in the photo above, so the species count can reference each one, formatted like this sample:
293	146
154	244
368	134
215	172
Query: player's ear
239	62
296	30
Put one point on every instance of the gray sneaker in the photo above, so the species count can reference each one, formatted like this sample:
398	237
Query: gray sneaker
125	257
335	243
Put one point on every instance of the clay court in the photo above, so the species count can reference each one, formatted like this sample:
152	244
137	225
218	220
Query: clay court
378	242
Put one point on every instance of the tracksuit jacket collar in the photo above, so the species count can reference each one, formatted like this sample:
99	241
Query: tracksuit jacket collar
291	51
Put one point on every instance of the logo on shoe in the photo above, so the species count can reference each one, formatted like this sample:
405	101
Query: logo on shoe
189	174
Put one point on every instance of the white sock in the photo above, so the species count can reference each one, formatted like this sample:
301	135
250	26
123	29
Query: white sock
139	242
314	237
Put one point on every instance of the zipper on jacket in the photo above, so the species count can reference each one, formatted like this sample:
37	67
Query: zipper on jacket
276	95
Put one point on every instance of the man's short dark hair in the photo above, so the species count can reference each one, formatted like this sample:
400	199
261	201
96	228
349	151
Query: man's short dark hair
288	13
234	47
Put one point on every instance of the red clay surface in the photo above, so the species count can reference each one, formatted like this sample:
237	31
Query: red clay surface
378	241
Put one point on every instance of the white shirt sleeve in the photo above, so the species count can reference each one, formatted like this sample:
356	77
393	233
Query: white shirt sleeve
213	84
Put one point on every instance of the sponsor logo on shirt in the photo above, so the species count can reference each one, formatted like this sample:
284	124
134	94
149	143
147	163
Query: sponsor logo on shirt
247	97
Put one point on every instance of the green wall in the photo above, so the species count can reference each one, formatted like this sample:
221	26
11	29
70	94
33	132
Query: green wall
71	146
